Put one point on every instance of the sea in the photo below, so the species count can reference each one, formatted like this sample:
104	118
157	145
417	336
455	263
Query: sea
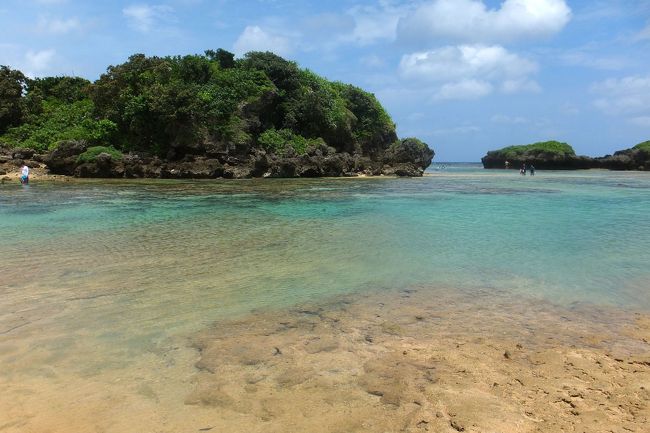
102	276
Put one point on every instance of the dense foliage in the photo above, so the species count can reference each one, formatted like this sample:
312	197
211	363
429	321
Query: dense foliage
279	142
178	105
12	103
58	121
48	110
551	147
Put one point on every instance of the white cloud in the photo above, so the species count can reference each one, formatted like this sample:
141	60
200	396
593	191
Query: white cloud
359	25
466	61
473	21
464	89
470	71
37	63
254	38
374	24
58	26
143	17
624	96
33	63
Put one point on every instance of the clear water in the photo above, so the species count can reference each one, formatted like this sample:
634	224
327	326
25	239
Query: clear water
103	284
119	265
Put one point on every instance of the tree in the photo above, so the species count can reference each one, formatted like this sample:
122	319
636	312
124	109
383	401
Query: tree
283	73
13	84
371	127
66	89
225	58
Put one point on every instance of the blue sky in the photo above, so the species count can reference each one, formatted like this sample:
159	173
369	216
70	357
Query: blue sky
465	76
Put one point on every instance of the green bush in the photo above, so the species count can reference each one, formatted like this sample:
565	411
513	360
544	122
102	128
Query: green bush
61	121
91	154
411	143
278	142
556	147
643	146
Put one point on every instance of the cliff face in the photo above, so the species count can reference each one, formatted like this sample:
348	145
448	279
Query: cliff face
404	158
561	156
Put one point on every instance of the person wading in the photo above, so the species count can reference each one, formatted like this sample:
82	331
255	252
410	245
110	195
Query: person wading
24	175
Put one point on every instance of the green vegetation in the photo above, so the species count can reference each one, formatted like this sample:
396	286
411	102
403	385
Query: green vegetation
58	121
411	143
643	146
175	105
550	147
12	104
279	142
91	154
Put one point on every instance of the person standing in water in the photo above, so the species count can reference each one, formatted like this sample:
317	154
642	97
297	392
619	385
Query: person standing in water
24	175
532	170
522	171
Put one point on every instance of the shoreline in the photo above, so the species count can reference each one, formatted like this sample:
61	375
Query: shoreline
395	360
35	173
41	174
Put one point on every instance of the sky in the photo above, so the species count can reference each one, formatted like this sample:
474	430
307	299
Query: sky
465	76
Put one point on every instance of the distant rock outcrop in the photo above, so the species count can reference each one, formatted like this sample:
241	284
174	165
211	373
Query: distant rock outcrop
549	155
635	158
553	155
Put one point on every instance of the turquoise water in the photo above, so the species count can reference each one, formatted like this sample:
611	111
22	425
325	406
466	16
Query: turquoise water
138	261
105	284
563	236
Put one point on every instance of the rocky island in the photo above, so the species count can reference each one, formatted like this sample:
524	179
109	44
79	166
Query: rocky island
200	116
635	158
554	155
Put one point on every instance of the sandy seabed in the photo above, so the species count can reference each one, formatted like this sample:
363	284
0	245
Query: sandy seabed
395	361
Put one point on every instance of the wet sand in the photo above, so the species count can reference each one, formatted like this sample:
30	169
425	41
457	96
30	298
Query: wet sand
35	173
412	360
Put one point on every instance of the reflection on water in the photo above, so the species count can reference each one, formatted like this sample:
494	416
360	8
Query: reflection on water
99	277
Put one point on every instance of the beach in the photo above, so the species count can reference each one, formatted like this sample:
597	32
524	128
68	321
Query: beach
397	361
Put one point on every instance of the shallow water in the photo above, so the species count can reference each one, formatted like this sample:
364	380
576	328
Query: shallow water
101	276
